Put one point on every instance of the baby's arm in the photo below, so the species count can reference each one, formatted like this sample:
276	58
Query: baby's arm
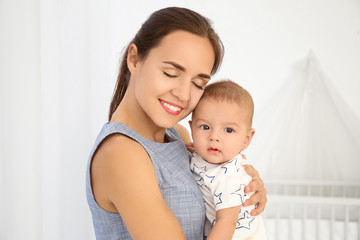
225	223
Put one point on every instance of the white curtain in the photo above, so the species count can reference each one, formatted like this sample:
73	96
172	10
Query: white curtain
307	131
54	73
20	134
58	66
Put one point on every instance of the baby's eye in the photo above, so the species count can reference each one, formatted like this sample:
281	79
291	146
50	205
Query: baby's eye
229	130
204	127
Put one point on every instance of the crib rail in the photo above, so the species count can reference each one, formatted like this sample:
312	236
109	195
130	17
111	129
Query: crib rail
309	217
313	188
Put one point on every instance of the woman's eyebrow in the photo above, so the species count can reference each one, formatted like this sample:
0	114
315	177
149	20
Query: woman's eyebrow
203	75
178	66
181	68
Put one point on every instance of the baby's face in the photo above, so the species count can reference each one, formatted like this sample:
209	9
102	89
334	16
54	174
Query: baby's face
219	130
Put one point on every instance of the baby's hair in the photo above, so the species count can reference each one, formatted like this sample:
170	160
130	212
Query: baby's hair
227	90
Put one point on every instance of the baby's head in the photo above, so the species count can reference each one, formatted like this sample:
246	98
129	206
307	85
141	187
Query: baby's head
221	122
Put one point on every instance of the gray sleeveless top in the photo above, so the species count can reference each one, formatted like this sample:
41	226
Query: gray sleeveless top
177	185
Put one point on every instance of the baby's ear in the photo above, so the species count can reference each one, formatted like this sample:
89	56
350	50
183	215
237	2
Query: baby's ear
248	138
190	123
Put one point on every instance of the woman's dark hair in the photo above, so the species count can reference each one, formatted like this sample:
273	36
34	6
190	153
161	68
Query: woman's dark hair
159	25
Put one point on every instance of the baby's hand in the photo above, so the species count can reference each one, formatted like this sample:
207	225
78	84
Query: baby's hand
190	147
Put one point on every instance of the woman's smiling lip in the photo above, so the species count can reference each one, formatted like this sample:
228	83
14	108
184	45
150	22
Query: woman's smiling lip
171	108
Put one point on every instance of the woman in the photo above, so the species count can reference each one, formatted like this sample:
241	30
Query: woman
139	185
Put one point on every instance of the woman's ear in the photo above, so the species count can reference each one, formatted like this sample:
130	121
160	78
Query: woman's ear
132	58
248	138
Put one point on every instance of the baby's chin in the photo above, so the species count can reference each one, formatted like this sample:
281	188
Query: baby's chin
217	159
213	160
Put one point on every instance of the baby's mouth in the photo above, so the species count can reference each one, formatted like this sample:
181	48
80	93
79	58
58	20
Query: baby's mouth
213	150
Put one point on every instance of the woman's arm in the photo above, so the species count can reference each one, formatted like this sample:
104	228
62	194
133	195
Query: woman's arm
185	136
183	132
124	181
225	224
256	185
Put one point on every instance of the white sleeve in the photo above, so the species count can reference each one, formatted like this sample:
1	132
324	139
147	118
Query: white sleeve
228	186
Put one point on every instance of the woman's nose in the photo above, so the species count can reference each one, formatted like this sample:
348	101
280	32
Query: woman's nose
182	91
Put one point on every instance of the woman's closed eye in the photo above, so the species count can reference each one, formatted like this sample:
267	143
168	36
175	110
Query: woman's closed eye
170	75
200	82
198	86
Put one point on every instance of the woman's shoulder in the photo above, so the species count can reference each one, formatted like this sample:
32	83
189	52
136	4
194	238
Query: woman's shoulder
119	147
118	160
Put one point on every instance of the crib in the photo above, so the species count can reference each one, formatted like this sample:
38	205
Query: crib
312	210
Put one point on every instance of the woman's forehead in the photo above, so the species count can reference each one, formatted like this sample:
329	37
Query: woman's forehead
186	49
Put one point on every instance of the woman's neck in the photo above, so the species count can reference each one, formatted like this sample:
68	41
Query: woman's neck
132	115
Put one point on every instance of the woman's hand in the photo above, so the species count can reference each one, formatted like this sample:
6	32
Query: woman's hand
257	186
190	147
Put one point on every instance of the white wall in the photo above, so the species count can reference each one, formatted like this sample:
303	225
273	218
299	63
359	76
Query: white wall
20	121
58	65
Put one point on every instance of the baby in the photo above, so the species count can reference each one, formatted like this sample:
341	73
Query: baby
221	130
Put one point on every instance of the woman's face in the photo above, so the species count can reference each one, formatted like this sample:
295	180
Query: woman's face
169	82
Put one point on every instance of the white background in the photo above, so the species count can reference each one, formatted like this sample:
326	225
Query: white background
58	65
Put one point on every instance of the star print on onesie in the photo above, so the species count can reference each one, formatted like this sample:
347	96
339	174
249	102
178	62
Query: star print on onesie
222	186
